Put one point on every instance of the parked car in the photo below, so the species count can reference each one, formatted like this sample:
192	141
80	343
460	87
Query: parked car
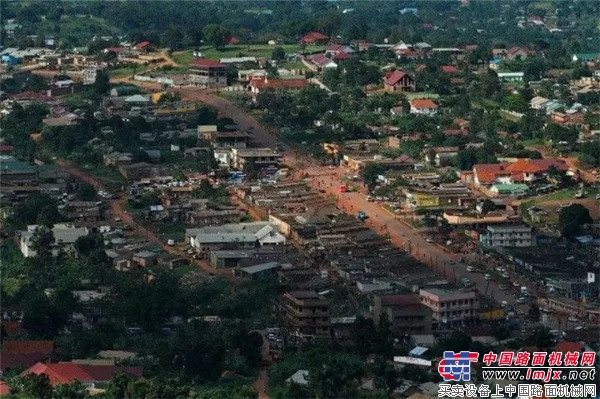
429	239
502	287
522	300
487	277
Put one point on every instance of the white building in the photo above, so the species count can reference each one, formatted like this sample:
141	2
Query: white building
538	102
65	236
89	76
449	305
246	235
511	76
423	106
517	235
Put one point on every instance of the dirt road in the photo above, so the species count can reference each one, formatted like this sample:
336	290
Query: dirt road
401	234
117	208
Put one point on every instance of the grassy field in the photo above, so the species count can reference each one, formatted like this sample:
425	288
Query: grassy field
412	96
125	72
251	50
111	178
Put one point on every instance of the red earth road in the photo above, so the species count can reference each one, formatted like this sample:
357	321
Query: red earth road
117	208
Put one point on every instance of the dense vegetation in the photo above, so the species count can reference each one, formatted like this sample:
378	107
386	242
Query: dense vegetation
181	25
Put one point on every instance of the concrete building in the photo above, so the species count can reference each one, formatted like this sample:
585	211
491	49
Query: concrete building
255	158
89	76
450	305
405	312
208	73
65	236
145	258
516	235
423	106
307	314
511	76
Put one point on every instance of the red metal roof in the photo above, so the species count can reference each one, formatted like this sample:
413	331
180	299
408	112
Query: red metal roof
395	77
24	347
142	45
6	148
448	69
423	103
65	373
280	84
342	55
206	62
313	37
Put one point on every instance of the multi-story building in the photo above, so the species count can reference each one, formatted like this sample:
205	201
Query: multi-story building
307	314
514	235
450	305
405	312
251	159
208	73
89	76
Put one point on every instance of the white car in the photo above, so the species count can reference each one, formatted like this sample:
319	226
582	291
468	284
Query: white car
522	300
429	239
573	319
516	284
487	277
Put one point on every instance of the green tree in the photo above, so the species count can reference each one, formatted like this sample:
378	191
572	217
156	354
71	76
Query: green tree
369	174
534	312
572	218
487	206
46	315
32	386
42	241
337	377
86	192
117	387
278	54
87	244
216	35
36	208
75	390
102	83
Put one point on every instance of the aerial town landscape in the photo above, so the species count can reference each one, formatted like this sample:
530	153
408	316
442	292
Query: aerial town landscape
317	199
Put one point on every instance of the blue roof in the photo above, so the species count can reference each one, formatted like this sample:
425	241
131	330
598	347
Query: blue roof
496	61
418	351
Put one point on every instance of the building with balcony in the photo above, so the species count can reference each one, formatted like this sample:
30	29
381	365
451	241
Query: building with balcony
405	312
252	159
515	235
450	305
208	73
307	314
